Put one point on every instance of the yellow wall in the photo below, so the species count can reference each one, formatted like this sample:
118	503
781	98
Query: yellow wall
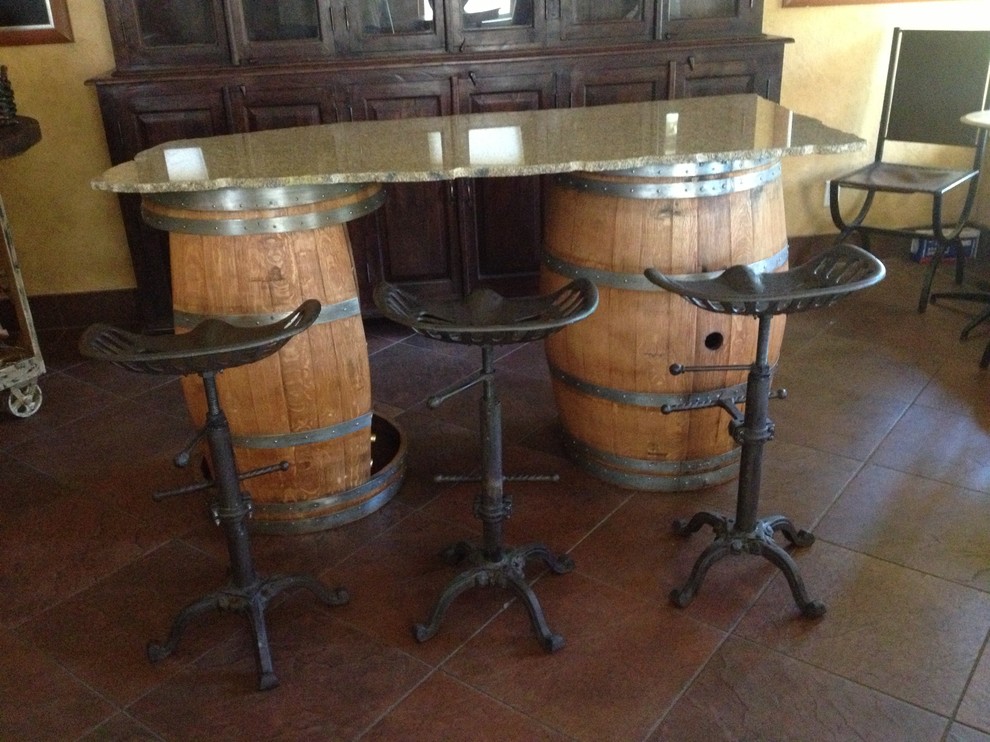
70	239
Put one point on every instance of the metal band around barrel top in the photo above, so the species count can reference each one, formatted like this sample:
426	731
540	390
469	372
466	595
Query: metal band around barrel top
639	282
663	476
648	399
302	437
328	313
245	199
688	187
268	225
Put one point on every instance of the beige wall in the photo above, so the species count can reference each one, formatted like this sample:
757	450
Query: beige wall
835	71
69	237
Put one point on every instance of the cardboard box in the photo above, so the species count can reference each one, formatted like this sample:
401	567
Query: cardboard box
922	249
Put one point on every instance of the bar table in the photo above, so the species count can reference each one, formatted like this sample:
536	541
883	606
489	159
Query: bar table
685	186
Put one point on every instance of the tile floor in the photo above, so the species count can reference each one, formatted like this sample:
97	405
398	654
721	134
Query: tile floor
883	449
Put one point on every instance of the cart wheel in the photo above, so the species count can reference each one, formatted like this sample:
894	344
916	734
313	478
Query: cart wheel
23	401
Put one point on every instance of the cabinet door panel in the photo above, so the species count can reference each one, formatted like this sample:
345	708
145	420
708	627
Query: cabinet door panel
143	116
153	33
376	26
754	73
416	230
282	103
263	31
605	85
495	24
607	20
707	18
502	218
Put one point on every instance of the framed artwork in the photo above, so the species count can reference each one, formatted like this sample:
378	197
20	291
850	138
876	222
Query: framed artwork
34	22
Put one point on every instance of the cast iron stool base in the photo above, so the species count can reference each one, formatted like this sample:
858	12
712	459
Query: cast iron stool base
246	592
760	541
492	564
506	572
250	601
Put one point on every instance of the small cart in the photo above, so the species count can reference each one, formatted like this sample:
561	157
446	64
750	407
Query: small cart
20	356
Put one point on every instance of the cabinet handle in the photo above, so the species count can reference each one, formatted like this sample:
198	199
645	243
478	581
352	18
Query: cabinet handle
347	20
474	78
691	62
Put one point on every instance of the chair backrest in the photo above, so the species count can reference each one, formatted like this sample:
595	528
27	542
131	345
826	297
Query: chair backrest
934	78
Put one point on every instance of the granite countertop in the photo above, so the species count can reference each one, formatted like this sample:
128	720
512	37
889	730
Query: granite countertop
601	138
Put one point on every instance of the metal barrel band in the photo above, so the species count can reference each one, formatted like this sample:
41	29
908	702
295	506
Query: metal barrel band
639	282
328	313
250	199
663	476
702	187
388	453
266	225
302	437
642	399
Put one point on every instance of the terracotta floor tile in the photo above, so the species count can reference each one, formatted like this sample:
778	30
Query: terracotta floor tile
938	444
41	700
974	709
904	633
52	551
624	664
915	522
444	708
749	692
122	613
334	683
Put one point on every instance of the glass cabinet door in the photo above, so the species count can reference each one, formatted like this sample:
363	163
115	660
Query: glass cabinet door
162	34
273	30
495	24
710	17
619	20
392	25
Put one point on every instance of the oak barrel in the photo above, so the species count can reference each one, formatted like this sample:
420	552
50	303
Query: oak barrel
611	372
249	256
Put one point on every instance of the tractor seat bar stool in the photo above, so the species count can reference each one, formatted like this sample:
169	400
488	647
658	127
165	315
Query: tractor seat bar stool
208	349
487	319
818	283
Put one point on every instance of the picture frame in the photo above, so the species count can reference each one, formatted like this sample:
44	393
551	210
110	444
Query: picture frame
34	22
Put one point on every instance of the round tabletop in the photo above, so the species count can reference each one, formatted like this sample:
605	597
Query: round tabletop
977	118
19	136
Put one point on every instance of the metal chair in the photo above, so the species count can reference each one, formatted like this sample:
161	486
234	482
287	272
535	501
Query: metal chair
740	290
487	319
211	347
933	79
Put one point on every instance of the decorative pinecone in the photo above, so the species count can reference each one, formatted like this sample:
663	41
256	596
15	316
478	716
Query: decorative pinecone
8	110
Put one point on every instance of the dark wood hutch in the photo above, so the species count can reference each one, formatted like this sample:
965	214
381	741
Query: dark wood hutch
198	68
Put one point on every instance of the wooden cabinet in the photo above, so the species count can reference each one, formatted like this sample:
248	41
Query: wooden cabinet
502	218
193	68
137	116
414	235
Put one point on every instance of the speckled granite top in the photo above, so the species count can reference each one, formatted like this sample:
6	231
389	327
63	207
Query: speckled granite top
600	138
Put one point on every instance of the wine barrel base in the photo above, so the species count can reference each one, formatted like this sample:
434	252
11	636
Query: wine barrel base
654	476
388	471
